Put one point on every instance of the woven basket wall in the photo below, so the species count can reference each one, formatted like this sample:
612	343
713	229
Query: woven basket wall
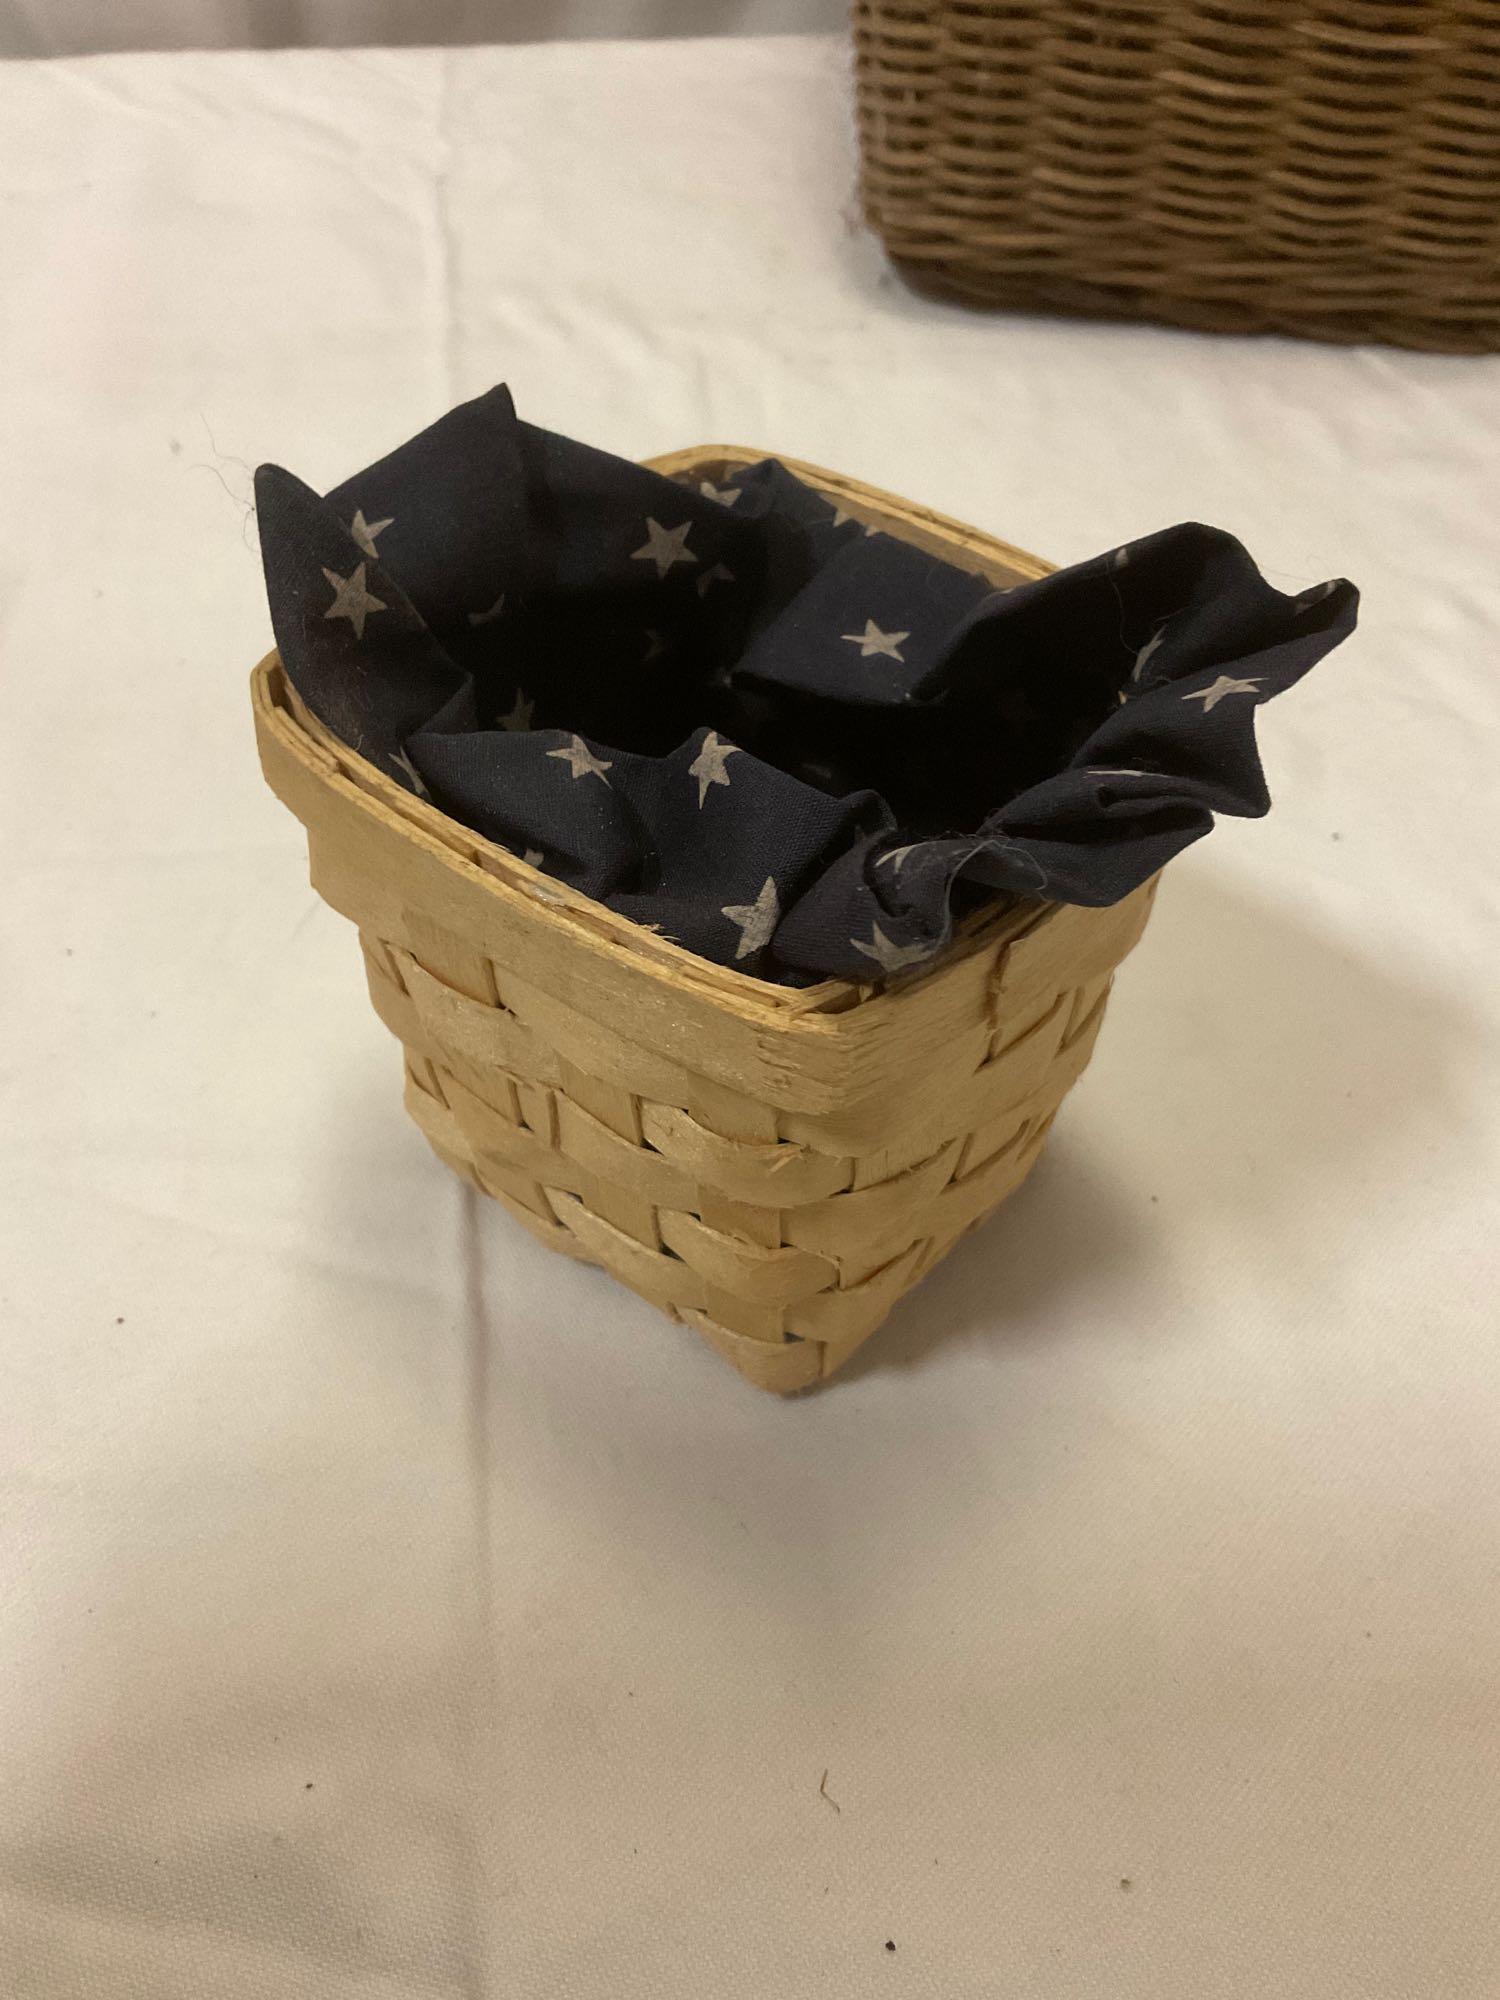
1249	165
773	1166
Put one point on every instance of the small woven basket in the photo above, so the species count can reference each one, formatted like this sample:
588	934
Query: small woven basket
1331	170
775	1166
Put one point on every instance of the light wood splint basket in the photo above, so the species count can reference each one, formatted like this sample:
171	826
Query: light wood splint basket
773	1166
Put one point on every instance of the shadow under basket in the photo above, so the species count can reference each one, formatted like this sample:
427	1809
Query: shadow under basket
773	1166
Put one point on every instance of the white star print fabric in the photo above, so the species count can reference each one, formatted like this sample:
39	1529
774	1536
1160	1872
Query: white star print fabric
734	714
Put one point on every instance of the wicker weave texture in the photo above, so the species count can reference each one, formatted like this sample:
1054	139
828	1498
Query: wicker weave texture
773	1166
1330	170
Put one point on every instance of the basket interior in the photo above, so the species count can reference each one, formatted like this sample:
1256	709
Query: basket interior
282	709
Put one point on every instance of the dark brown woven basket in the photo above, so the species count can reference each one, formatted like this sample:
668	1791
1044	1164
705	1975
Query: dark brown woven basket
1246	166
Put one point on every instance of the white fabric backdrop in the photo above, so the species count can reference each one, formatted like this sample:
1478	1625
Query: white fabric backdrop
81	27
390	1609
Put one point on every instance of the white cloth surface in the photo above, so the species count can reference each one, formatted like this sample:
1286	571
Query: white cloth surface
389	1608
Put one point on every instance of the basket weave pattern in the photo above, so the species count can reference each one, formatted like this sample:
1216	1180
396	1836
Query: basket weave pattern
1331	170
773	1166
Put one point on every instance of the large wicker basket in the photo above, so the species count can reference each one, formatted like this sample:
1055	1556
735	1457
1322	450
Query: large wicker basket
1320	167
774	1166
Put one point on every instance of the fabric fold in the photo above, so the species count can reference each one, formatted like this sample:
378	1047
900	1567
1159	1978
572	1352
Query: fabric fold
796	745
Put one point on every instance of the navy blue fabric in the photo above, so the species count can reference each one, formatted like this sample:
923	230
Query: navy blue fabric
791	744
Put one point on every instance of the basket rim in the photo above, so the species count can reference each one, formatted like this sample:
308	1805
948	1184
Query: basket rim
280	712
